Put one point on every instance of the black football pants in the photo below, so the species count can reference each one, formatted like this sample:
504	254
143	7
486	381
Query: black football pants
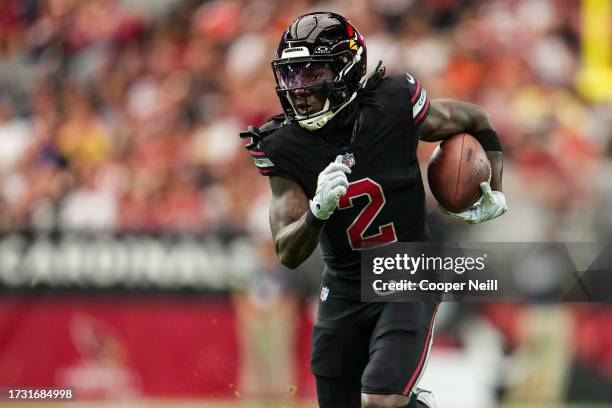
372	348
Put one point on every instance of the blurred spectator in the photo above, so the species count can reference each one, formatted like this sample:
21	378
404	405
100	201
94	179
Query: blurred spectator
117	115
90	205
15	134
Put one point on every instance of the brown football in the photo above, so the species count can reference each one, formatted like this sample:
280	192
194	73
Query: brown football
456	169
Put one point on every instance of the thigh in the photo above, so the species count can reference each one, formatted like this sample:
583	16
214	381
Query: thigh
399	347
339	357
340	350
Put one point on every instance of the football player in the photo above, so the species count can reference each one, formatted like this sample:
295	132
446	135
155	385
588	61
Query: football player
343	170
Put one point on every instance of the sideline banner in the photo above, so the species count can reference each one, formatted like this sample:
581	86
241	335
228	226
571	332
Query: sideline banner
128	316
119	347
98	261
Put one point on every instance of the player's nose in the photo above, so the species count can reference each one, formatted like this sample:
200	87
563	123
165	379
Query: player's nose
302	93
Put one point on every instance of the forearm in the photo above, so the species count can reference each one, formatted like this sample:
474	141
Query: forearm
295	242
294	238
481	127
295	221
497	169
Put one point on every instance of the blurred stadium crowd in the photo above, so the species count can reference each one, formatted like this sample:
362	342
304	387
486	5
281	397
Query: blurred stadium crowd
123	115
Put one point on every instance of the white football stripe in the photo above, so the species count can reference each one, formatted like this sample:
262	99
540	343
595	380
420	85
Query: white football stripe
419	104
263	162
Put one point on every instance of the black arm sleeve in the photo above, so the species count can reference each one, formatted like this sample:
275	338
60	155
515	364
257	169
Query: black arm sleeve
419	100
265	165
489	140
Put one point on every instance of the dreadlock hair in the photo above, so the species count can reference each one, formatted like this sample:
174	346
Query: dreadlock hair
366	96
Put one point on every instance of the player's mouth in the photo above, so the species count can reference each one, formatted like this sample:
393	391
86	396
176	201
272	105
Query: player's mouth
304	108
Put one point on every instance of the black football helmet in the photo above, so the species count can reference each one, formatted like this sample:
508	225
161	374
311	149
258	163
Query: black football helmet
321	54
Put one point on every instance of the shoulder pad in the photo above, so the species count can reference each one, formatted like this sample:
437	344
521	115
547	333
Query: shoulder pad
258	133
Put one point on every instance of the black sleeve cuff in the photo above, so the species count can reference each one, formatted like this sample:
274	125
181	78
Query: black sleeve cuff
488	140
313	221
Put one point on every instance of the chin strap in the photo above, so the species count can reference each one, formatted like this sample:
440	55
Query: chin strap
320	120
317	122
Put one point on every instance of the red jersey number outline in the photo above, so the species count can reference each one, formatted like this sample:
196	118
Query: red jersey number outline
355	232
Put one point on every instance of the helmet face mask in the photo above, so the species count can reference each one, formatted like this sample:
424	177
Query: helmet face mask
304	74
319	63
309	85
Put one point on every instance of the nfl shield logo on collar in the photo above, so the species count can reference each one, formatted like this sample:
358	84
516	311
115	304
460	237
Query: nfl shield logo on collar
348	159
324	293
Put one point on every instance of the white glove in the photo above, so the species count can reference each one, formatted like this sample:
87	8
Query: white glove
491	205
331	185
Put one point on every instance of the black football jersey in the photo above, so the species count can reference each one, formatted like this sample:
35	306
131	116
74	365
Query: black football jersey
385	200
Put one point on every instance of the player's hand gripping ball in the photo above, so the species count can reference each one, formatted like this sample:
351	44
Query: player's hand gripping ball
459	173
491	205
331	185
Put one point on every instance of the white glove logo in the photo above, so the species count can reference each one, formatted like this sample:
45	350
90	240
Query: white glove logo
491	205
331	185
